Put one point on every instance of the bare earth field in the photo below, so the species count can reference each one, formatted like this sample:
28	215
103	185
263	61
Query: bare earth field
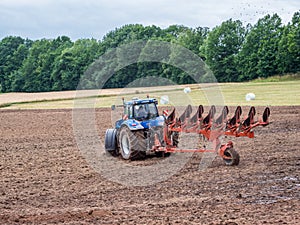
44	179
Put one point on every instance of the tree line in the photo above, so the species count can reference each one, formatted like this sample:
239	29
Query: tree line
232	51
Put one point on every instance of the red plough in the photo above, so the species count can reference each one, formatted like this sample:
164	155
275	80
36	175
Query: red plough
211	129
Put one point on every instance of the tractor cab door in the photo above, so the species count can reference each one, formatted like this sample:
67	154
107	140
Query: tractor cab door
128	111
153	112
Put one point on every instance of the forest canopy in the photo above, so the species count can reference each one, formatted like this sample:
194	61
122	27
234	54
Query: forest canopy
234	52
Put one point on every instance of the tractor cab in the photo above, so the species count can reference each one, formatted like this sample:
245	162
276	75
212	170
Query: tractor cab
140	114
141	109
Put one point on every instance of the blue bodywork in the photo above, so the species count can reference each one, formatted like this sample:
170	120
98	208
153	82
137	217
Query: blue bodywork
134	124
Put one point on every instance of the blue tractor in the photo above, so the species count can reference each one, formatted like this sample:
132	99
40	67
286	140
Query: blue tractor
134	135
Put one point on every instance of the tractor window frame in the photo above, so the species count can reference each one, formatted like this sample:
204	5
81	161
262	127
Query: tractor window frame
150	108
128	111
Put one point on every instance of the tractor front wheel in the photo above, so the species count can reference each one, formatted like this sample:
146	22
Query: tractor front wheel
132	144
232	157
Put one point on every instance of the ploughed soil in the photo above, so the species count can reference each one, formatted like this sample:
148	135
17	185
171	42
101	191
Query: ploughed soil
45	179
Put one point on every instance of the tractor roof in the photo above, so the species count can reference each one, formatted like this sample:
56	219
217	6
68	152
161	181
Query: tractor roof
137	101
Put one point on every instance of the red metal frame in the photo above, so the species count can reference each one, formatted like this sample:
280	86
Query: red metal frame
211	130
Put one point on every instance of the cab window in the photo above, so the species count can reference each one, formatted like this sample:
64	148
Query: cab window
128	111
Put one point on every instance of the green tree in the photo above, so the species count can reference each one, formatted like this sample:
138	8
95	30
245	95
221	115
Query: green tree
11	58
70	65
193	39
130	33
221	48
294	42
172	32
16	78
39	64
284	57
31	69
257	57
125	35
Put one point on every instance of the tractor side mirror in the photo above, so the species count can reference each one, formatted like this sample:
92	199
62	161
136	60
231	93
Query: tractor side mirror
113	107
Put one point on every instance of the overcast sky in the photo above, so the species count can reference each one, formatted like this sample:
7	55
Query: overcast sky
37	19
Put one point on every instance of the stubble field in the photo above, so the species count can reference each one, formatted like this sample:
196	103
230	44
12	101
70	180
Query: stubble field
46	180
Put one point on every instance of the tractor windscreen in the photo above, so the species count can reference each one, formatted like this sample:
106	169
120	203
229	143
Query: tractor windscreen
145	111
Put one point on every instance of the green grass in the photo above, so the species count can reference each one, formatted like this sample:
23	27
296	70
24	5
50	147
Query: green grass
268	93
278	78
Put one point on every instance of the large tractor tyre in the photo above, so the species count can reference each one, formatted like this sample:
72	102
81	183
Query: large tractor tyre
232	157
111	142
132	144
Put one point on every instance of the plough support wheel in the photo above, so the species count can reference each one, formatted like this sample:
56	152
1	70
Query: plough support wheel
231	157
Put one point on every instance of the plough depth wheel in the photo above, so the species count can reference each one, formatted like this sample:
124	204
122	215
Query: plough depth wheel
231	157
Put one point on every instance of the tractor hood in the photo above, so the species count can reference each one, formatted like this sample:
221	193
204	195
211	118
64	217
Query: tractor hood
133	124
157	122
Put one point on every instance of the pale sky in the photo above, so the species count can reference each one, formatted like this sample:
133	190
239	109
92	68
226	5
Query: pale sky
36	19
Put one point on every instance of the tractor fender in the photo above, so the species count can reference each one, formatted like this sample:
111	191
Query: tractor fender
111	140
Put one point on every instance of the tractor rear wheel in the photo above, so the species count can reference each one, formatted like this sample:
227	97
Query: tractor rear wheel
232	157
132	144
